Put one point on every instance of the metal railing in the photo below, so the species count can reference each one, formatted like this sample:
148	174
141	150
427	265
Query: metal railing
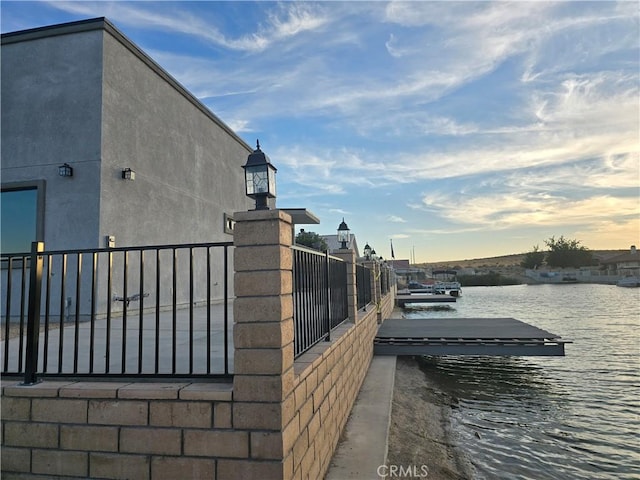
319	296
153	311
363	286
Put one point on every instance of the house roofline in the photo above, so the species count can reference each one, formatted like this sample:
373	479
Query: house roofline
102	23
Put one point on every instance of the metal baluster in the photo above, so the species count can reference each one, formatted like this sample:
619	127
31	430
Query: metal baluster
33	325
76	336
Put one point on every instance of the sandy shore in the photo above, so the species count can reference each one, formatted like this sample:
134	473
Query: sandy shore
419	434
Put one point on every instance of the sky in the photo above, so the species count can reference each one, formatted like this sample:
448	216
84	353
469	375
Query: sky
454	130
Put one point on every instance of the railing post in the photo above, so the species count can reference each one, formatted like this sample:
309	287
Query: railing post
33	318
328	293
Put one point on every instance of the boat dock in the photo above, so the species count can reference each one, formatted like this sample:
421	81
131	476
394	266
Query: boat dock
403	298
465	336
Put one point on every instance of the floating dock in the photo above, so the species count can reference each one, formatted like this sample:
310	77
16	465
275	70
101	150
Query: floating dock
465	336
403	299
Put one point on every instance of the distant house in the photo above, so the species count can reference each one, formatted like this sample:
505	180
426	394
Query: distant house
405	273
400	264
334	245
81	95
625	264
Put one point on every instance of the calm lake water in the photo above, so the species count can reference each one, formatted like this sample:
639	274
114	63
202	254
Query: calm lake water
572	417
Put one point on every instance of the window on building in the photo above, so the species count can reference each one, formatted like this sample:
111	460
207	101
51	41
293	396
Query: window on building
19	219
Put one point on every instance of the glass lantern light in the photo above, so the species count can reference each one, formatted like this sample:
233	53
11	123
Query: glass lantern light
344	235
367	251
65	170
260	178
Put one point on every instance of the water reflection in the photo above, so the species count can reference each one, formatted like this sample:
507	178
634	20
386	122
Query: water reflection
574	417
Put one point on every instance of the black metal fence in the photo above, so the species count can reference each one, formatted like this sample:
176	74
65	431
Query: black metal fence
319	296
363	286
157	311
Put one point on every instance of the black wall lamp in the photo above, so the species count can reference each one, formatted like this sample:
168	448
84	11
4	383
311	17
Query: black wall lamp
260	178
65	170
128	174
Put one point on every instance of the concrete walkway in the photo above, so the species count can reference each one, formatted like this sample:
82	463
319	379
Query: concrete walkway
363	445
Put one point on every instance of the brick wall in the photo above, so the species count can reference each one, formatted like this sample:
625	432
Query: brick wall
328	379
118	430
280	419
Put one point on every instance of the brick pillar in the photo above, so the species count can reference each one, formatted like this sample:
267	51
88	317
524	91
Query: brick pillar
349	257
263	403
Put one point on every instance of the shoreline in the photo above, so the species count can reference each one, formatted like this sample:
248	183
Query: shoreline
420	437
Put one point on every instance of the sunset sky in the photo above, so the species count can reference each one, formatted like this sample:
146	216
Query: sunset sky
457	129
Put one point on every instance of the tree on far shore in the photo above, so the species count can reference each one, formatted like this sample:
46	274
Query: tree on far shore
567	253
562	253
533	259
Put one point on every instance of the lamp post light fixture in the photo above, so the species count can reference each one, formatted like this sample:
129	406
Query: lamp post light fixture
260	178
344	235
374	255
65	170
128	174
367	252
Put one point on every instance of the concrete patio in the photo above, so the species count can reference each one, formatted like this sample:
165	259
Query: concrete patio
138	342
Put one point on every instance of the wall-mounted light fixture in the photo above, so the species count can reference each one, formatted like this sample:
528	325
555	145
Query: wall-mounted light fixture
128	174
260	178
344	235
65	170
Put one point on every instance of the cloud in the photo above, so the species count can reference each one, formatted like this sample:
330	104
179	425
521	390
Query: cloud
508	210
339	211
507	114
286	21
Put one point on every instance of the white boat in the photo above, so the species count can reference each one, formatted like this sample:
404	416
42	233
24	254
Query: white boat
447	282
629	282
452	288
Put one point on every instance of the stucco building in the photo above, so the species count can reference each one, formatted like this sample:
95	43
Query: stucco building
83	95
625	264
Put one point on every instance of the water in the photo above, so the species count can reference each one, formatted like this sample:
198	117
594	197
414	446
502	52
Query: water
572	417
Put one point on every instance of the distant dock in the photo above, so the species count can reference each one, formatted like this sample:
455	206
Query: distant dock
402	299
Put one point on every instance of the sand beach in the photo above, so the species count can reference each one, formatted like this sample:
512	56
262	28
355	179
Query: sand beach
419	432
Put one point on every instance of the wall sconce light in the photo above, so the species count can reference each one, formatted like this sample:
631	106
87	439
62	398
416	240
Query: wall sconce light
128	174
260	178
344	235
65	170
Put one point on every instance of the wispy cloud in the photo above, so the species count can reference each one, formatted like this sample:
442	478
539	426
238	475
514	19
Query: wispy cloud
287	20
